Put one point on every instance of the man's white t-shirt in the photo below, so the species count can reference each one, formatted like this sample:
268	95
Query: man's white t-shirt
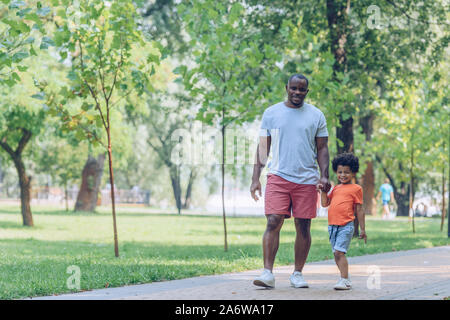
293	146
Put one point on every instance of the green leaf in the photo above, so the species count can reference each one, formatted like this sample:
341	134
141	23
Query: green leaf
17	4
39	96
15	76
46	42
44	11
72	75
86	106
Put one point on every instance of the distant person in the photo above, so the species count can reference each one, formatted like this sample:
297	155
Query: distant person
343	200
387	193
297	134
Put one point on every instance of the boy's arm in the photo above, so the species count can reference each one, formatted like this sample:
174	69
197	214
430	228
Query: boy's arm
362	223
325	201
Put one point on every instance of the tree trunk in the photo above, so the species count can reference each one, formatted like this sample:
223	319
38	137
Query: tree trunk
187	199
337	16
411	175
402	199
344	133
113	200
223	188
25	191
368	185
176	185
66	195
368	178
443	199
24	180
90	183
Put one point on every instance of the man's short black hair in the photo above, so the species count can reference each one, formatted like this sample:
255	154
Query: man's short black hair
299	76
346	159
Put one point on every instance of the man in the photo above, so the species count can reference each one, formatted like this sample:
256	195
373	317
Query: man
296	132
387	192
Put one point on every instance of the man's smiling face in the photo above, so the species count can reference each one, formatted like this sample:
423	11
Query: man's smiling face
297	89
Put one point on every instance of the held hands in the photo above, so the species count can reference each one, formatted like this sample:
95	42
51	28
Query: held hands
256	186
323	185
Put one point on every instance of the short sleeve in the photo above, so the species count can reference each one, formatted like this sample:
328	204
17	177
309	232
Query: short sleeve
322	130
265	125
358	195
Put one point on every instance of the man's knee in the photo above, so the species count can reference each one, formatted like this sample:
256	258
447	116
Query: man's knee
303	227
274	222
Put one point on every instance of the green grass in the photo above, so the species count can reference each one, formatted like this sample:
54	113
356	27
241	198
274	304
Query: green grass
157	247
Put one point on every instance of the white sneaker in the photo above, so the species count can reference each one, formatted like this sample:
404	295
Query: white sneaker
343	284
266	279
297	280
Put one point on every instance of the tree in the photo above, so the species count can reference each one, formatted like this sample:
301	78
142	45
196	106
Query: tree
111	59
163	119
19	25
234	72
404	141
18	125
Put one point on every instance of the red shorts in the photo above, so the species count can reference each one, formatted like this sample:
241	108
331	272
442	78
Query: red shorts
282	196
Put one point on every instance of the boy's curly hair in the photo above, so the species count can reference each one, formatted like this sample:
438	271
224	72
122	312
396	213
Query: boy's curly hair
346	159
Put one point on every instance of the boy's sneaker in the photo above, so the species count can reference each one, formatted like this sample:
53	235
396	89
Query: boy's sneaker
343	284
266	279
297	280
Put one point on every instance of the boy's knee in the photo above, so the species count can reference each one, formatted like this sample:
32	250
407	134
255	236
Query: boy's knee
339	254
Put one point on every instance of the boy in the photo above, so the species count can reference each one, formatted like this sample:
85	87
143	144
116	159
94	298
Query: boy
344	199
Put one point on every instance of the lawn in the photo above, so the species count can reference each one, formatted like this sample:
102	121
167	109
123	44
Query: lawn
156	247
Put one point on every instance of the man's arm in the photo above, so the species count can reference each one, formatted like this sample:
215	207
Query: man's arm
262	153
323	158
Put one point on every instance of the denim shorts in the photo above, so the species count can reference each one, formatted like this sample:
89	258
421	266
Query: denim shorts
385	202
340	236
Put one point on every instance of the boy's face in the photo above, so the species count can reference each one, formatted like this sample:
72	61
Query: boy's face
344	174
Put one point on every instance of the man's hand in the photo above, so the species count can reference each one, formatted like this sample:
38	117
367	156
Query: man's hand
363	235
256	186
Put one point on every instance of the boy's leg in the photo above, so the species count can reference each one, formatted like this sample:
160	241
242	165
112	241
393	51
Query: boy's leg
271	239
342	263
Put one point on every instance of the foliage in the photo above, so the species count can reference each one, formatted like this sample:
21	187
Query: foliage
21	30
110	59
235	71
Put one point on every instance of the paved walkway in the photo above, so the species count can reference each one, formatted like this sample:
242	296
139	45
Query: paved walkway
416	274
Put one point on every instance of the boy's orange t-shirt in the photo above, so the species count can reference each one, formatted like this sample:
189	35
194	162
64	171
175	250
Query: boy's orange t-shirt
342	205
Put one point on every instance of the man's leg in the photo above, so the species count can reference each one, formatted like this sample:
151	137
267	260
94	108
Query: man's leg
271	239
302	242
385	211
